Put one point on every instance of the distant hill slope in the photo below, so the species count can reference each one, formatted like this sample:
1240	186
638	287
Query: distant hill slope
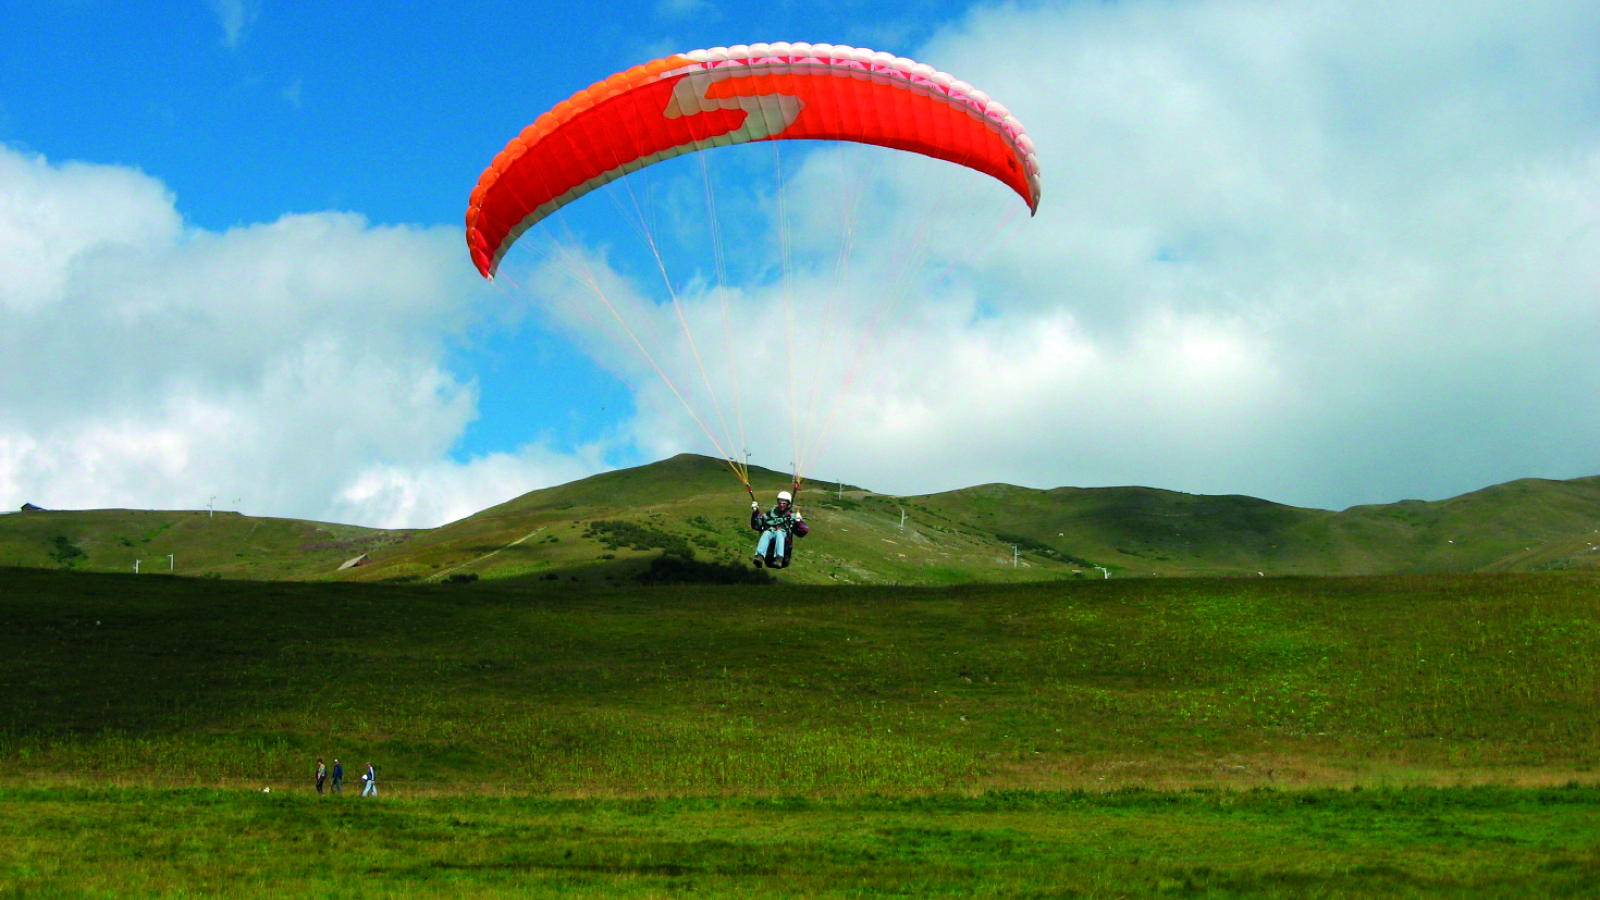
995	532
1521	525
610	528
226	544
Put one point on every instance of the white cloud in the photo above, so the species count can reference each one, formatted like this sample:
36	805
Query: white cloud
1325	253
44	225
442	490
237	17
1388	212
293	365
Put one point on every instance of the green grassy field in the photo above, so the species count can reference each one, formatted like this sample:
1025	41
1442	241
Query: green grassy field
811	690
1394	843
1417	736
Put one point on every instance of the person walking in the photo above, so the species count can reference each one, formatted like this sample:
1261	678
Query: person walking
322	776
338	777
371	778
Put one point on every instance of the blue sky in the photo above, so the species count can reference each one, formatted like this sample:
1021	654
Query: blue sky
248	109
1325	253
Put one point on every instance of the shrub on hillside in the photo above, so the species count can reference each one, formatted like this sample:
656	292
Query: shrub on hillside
635	536
65	552
368	543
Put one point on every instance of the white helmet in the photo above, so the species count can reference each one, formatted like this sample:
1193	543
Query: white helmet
783	497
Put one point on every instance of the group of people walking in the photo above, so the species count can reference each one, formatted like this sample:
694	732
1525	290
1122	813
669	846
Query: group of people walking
368	778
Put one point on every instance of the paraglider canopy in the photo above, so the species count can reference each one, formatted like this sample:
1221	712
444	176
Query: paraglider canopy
850	101
707	98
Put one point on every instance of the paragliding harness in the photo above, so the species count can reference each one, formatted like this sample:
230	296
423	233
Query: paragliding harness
783	522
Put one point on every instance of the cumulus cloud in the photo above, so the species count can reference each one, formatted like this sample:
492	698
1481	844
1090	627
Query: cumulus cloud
237	17
443	490
297	365
1326	253
1392	210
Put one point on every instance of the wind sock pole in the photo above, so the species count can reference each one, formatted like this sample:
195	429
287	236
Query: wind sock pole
748	489
744	475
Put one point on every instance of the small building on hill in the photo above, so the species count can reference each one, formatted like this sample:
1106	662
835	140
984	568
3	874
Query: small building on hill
361	560
29	507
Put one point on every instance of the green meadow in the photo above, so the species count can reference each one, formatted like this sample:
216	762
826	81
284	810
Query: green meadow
1400	842
1429	735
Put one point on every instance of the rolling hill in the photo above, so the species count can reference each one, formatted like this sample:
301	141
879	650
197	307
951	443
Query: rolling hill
1521	525
224	544
616	526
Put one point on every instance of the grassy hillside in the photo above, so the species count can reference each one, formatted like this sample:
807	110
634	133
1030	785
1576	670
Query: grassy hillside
1000	533
1131	530
1523	525
799	689
225	544
607	529
610	529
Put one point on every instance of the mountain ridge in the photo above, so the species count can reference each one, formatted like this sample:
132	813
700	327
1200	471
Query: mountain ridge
610	528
